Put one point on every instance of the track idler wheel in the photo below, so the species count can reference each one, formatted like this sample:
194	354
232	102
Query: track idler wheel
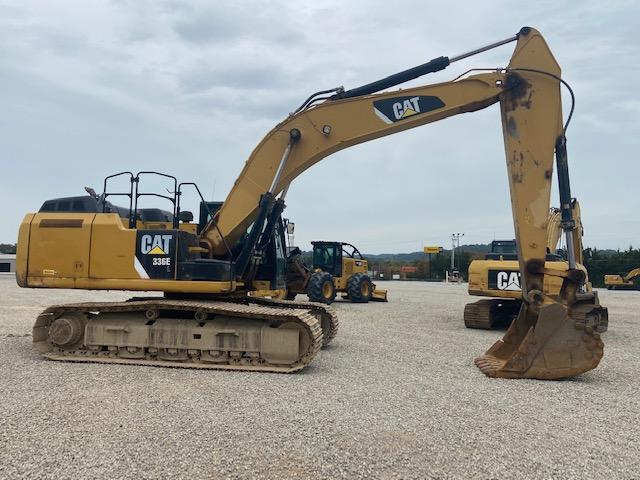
67	331
556	343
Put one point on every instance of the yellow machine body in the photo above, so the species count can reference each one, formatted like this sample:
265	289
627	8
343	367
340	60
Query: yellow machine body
90	251
351	266
506	283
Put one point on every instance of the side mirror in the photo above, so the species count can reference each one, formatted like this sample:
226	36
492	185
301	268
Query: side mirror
186	216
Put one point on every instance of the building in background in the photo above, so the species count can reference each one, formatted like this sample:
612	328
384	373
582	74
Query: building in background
7	263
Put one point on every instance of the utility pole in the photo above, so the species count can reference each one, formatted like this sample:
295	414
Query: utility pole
290	228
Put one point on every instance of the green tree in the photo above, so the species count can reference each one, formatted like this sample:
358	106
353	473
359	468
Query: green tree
8	248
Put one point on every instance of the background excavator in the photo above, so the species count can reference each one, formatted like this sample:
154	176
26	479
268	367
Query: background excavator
338	267
497	275
629	281
207	318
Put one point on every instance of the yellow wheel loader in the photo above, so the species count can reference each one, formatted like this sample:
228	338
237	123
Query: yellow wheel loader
208	318
338	267
630	281
497	276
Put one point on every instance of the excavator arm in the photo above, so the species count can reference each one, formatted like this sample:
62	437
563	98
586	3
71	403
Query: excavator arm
529	95
555	230
632	274
317	132
551	338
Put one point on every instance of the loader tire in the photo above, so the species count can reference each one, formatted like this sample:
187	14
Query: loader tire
359	288
321	288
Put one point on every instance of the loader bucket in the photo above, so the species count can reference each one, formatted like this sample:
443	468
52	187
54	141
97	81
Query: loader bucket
379	295
556	343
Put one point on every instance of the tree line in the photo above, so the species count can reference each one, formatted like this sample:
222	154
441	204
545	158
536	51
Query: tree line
597	262
600	263
8	248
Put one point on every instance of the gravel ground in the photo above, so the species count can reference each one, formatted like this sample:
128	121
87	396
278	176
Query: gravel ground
395	396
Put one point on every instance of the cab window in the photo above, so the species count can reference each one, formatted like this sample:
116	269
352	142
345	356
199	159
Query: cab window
48	207
323	257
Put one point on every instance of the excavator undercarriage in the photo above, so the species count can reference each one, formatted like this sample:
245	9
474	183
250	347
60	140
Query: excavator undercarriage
239	334
490	313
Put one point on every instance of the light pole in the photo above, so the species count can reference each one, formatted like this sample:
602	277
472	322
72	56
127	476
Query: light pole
455	239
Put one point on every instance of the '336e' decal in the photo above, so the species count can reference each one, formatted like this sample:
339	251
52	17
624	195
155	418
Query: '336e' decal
154	252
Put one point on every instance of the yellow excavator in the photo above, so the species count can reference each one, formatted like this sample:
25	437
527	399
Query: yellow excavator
497	275
623	282
208	319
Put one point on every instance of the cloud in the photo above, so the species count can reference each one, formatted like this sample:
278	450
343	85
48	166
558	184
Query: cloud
190	87
226	23
241	77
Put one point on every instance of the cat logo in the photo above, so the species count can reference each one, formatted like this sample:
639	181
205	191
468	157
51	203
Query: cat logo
504	280
394	109
407	108
155	244
508	281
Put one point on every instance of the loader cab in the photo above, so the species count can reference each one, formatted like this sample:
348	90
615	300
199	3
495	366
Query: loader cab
328	256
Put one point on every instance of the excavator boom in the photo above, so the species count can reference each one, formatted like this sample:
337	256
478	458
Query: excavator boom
331	126
632	274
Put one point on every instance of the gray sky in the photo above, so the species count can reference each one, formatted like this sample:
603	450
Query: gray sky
190	87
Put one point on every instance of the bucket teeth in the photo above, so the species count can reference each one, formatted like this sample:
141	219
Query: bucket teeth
558	342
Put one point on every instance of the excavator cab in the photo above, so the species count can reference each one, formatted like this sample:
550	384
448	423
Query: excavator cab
502	249
207	211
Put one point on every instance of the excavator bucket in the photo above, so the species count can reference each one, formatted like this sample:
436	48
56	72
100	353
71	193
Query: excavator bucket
378	295
555	342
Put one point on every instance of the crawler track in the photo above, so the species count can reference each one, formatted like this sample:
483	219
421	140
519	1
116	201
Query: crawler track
246	334
325	314
490	314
